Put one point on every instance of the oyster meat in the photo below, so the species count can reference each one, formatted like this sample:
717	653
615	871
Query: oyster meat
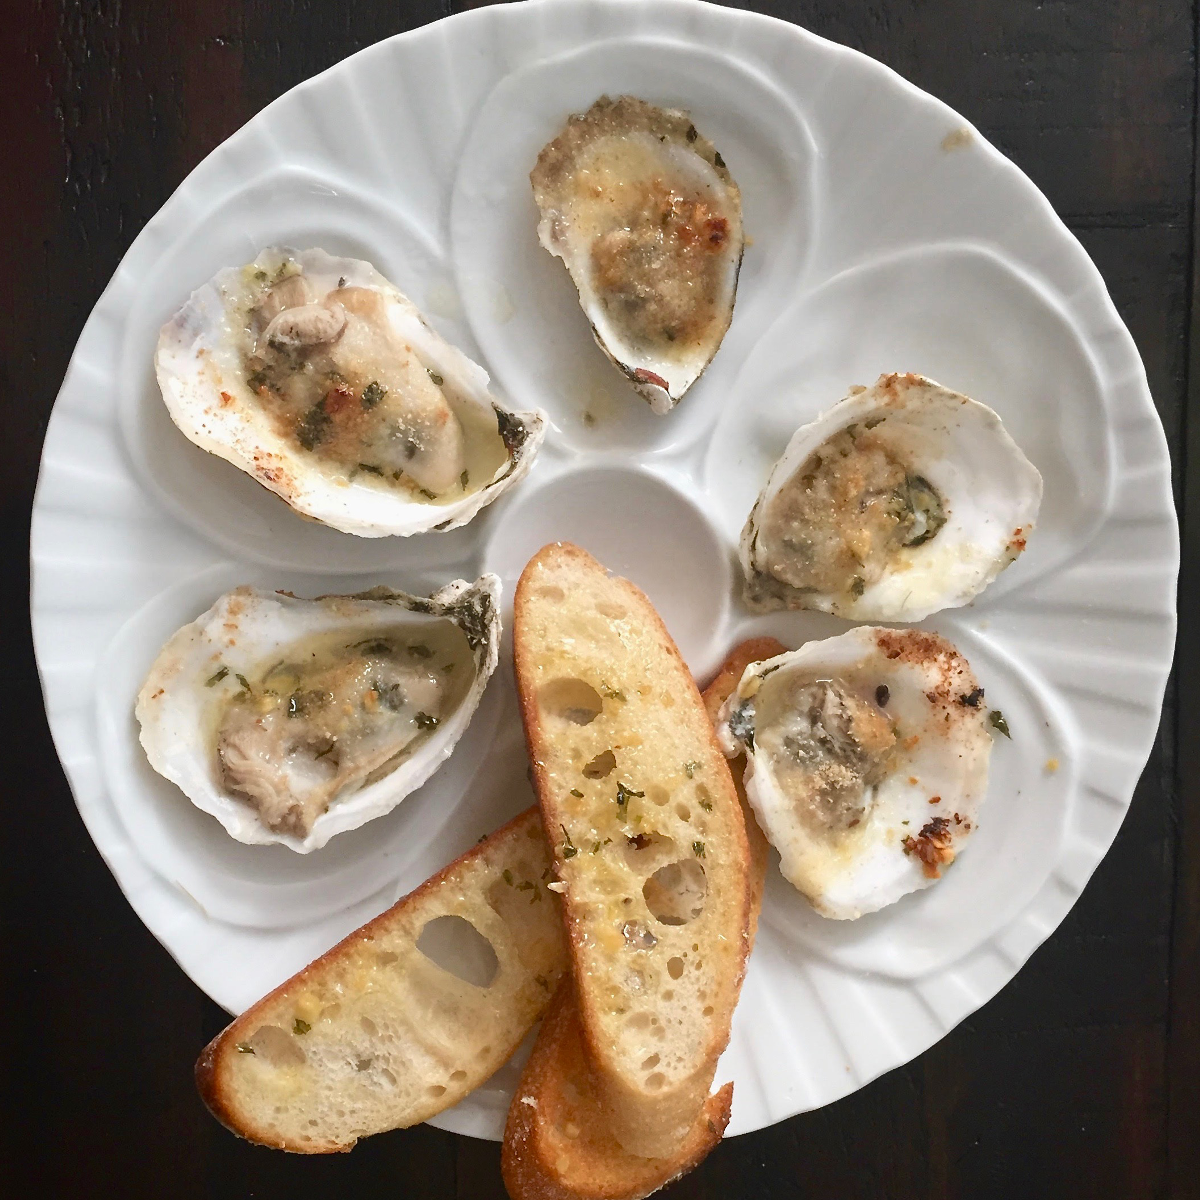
292	720
867	761
643	212
317	377
903	499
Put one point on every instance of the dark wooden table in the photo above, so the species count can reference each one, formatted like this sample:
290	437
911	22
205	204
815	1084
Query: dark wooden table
1082	1078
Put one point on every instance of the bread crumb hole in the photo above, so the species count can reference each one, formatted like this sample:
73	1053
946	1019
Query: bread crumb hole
656	1081
550	592
650	1063
638	1020
313	1122
455	945
458	1076
657	794
369	1026
276	1046
707	1011
387	1075
683	812
614	612
571	700
667	701
437	1090
676	893
675	967
668	995
484	1052
601	766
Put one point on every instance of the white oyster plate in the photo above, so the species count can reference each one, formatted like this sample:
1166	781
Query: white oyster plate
887	235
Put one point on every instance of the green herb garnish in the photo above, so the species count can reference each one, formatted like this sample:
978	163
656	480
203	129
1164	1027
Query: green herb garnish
997	722
706	805
314	426
623	797
690	768
426	720
437	379
698	849
371	469
611	692
300	1027
243	681
243	1048
213	680
577	793
569	849
464	479
427	494
373	393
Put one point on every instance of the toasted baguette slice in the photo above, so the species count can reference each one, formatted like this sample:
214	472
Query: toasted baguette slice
647	836
376	1035
558	1144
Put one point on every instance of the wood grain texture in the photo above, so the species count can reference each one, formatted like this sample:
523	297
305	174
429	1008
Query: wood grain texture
1082	1078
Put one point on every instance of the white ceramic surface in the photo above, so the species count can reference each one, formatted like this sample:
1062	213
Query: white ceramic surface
887	235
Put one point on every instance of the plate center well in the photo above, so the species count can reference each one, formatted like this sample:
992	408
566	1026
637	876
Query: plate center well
638	526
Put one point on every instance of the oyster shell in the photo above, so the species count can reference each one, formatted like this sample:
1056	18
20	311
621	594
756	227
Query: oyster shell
866	762
293	720
902	499
643	212
317	377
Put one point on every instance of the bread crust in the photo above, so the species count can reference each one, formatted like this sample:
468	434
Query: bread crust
218	1060
645	1124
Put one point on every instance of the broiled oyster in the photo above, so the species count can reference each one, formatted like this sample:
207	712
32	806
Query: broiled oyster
293	720
643	212
866	762
317	377
903	499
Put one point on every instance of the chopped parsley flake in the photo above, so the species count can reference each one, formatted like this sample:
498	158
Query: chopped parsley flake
698	849
623	796
300	1027
216	678
997	722
373	393
426	720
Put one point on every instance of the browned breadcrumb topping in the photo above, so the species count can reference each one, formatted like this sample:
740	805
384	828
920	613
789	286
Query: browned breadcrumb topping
932	846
